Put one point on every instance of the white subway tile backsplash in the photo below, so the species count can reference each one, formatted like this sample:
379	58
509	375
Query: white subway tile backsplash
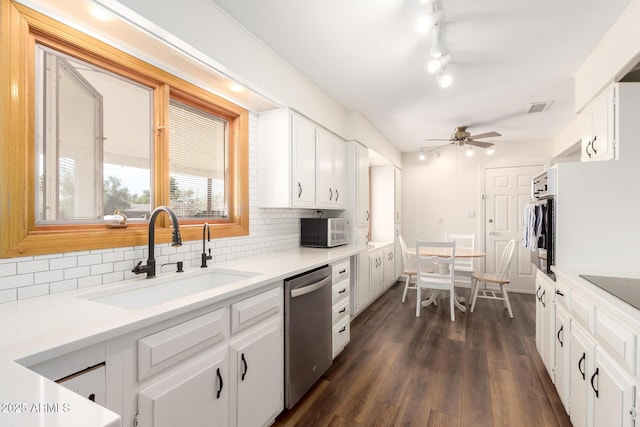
33	266
89	259
16	281
72	273
63	286
63	262
8	295
8	269
85	282
48	276
33	291
270	230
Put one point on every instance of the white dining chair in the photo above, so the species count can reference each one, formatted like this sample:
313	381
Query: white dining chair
464	266
442	279
407	268
500	278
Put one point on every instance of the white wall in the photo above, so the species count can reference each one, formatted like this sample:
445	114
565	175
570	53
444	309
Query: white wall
437	193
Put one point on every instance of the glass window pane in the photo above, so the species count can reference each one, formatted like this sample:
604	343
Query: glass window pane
197	162
94	137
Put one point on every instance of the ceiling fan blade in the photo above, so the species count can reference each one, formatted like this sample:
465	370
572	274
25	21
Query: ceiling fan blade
433	147
485	135
437	139
480	144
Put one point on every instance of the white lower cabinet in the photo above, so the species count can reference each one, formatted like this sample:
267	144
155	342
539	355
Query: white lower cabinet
389	277
376	273
340	306
614	393
545	323
562	355
221	366
362	295
195	393
581	355
256	381
593	358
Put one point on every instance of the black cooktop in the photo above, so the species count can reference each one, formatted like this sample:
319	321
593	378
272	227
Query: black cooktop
628	290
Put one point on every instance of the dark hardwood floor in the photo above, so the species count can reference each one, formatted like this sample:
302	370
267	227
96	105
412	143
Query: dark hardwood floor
401	370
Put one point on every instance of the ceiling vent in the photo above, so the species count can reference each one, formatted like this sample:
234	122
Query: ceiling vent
538	107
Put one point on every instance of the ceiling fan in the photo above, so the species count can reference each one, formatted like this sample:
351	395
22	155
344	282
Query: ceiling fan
461	137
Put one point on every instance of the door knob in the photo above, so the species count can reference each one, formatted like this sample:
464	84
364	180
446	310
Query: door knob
490	220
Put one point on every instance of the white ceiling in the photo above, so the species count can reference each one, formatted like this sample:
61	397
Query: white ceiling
506	54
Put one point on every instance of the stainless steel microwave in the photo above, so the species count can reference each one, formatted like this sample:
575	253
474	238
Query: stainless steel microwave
324	232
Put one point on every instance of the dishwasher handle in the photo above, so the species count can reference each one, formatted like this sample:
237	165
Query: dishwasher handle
298	292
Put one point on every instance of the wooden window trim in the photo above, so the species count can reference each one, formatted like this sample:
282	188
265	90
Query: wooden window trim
20	28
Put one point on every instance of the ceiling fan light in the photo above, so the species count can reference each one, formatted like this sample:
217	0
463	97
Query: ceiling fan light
490	151
445	80
422	157
469	152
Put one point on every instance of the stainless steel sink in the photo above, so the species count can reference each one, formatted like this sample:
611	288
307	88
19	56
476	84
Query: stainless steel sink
147	293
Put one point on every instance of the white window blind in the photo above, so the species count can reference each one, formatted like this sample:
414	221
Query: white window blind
197	162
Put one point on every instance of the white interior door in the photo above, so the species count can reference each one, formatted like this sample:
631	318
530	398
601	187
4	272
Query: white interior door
507	190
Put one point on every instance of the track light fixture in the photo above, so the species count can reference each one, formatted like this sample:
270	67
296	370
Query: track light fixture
439	58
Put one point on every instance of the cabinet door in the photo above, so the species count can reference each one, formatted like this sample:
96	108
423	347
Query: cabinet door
362	185
602	126
258	372
389	267
363	290
339	172
397	194
375	273
303	183
614	393
580	367
545	324
194	394
562	352
331	172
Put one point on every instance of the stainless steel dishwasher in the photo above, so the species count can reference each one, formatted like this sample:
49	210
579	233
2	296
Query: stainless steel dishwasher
307	314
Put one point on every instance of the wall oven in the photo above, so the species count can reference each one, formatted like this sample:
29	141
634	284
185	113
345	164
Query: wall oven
539	222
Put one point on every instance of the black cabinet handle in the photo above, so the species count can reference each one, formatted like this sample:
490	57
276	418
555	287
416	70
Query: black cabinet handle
337	195
343	310
92	397
245	367
330	194
586	149
593	145
221	383
559	293
344	270
367	214
299	190
344	328
558	335
538	292
581	368
593	377
342	291
542	298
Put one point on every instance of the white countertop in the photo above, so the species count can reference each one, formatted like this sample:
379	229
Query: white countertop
571	274
39	329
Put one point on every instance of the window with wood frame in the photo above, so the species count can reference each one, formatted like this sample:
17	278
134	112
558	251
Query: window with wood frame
90	133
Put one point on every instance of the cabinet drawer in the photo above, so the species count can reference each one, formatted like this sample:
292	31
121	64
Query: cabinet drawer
253	310
563	295
582	311
340	291
341	336
90	383
340	271
158	351
617	338
340	310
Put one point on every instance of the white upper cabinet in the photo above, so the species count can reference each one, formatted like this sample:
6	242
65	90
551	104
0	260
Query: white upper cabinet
598	128
331	174
300	164
362	185
610	121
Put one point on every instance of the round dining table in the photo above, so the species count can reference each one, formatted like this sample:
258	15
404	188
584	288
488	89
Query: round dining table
446	253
